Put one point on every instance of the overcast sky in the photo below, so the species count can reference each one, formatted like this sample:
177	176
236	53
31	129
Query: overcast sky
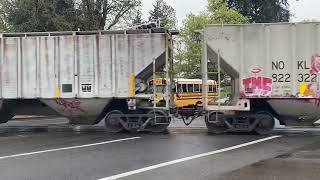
303	9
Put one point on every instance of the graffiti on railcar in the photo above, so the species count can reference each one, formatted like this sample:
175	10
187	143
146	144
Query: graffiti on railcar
256	86
70	104
315	63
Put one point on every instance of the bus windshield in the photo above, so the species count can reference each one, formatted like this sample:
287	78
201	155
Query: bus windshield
158	88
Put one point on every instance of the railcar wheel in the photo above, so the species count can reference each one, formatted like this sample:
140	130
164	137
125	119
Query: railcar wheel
112	122
266	123
159	123
215	123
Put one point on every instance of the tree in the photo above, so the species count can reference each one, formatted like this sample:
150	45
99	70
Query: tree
138	18
105	14
38	15
188	48
64	15
262	11
165	13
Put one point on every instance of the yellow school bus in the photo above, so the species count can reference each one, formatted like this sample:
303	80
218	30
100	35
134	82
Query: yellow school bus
186	92
160	89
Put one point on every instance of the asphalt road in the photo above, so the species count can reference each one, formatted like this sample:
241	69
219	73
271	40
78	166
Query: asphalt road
52	150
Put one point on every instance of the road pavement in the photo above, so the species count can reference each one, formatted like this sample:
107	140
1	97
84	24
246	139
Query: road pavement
52	149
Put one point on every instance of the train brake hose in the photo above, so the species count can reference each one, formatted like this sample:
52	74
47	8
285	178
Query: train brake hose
185	120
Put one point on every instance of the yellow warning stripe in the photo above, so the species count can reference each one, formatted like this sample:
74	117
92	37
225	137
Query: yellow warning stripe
131	84
57	91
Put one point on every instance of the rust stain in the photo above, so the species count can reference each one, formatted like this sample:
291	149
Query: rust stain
5	51
58	44
77	58
152	44
111	61
119	40
131	49
46	52
4	73
87	54
19	84
98	55
55	59
46	49
163	40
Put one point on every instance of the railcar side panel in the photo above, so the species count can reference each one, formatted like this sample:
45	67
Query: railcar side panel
272	60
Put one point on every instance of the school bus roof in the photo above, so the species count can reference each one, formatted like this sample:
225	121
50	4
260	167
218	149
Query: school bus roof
193	81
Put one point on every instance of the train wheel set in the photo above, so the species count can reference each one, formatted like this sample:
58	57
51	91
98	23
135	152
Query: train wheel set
261	122
155	121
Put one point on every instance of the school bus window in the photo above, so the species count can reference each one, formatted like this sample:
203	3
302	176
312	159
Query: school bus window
200	87
196	88
190	88
179	88
174	89
184	88
214	88
210	88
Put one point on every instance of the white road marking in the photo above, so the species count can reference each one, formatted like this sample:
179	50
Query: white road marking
67	148
186	159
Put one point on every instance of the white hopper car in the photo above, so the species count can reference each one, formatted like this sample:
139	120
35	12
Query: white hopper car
275	71
85	76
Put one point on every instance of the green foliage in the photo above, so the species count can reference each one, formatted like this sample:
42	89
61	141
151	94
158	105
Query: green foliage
188	58
38	15
64	15
165	13
138	18
263	11
105	14
220	13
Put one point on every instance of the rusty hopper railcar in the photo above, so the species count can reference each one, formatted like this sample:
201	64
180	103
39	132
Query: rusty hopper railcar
86	76
275	70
